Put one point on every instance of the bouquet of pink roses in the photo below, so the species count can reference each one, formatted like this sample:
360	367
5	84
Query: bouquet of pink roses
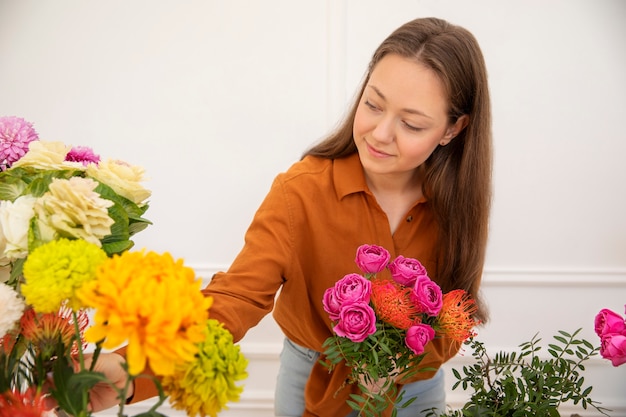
382	325
611	328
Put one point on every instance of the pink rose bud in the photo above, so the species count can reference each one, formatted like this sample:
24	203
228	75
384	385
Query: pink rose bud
372	259
427	295
609	322
356	322
613	347
418	336
331	305
405	271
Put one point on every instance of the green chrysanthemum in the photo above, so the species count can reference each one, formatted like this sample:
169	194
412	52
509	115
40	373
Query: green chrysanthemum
54	271
204	386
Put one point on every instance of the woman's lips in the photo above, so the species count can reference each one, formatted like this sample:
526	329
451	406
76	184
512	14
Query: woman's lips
376	153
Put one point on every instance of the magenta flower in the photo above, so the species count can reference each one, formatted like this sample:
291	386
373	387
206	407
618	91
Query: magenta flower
356	322
609	322
405	271
613	348
372	258
418	336
353	288
427	296
331	305
15	135
82	154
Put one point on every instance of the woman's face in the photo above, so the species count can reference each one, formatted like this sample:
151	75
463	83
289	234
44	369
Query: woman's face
401	118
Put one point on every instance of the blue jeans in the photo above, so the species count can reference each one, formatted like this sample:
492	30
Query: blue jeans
295	366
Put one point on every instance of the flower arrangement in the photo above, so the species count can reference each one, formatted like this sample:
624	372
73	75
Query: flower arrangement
611	328
66	223
382	325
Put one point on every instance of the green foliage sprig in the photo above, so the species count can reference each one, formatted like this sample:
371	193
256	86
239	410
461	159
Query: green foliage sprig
516	384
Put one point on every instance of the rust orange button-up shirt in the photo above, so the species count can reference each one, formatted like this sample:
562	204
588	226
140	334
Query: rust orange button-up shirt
302	239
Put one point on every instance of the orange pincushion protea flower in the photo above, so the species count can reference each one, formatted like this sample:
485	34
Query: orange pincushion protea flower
456	317
393	305
43	330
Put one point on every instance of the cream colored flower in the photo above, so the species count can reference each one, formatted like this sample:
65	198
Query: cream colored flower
11	308
123	178
14	224
47	155
74	209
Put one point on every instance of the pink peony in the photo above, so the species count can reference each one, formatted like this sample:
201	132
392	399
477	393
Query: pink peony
405	271
356	322
372	259
418	336
613	347
15	135
609	322
352	288
427	296
82	154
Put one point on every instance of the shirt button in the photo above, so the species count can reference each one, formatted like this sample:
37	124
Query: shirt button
409	219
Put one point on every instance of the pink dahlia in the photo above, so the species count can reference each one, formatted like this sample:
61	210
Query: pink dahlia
82	154
15	135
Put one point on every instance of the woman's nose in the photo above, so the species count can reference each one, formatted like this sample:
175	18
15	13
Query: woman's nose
384	130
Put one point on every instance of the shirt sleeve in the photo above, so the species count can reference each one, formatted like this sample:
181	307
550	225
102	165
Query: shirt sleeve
244	294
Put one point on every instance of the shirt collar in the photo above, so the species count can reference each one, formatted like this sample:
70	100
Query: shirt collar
348	176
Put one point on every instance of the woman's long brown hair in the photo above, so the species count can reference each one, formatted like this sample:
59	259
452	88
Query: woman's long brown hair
457	177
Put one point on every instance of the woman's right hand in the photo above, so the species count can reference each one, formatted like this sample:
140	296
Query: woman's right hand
102	395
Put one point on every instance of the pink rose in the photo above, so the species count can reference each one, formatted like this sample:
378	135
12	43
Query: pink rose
427	295
609	322
352	288
613	347
356	322
405	271
371	258
331	305
418	336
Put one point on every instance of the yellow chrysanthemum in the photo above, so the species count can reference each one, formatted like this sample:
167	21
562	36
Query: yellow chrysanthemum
54	272
204	385
151	302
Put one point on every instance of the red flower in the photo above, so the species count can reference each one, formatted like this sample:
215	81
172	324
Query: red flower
26	404
456	316
392	304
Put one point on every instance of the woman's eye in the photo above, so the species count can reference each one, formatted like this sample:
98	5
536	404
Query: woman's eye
370	105
411	127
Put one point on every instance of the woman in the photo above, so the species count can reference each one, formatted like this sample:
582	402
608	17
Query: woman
410	170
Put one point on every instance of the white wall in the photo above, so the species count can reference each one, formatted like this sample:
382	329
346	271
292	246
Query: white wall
215	98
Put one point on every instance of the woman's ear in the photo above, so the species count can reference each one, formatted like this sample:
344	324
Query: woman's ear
453	131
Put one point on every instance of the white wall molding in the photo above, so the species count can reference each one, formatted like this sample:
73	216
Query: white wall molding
512	276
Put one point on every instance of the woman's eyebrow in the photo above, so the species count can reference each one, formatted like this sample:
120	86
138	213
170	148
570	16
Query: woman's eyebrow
405	110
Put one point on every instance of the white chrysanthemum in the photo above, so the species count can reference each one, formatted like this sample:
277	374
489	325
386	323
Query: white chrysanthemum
123	178
11	308
47	155
74	209
14	224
